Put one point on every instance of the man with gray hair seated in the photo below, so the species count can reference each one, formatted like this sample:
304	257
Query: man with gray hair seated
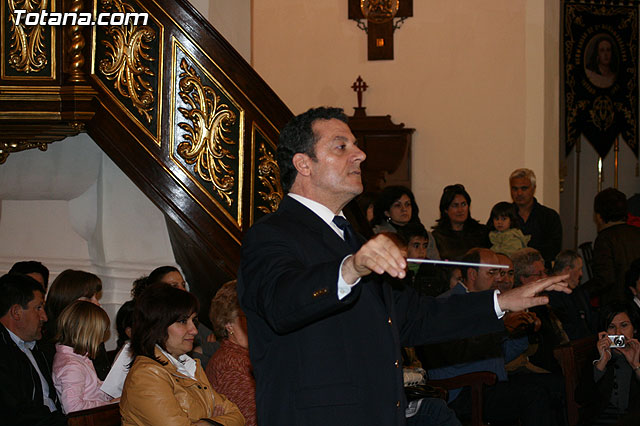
575	313
542	223
529	267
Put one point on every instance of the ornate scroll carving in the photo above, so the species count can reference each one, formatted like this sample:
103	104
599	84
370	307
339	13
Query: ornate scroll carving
269	176
26	52
205	137
125	55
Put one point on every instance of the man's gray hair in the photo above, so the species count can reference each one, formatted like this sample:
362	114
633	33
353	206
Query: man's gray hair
522	263
524	173
563	259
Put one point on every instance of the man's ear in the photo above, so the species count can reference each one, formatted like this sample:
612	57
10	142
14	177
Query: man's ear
16	312
302	162
633	290
472	275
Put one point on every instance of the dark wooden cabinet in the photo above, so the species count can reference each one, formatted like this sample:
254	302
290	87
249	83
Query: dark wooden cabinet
388	149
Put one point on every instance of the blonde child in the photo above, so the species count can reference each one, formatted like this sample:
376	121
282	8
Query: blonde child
82	327
504	233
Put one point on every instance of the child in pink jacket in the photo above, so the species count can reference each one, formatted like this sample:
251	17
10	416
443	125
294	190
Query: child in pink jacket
82	327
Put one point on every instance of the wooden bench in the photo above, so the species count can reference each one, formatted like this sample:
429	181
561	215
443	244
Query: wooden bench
573	358
105	415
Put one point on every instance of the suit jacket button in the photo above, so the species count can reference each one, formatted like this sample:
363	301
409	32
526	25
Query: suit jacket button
398	404
389	321
396	363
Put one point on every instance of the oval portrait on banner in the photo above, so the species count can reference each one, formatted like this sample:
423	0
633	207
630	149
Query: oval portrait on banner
601	60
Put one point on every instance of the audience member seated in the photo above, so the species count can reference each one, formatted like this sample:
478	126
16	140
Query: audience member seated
124	323
427	278
504	230
610	390
516	348
528	267
615	247
82	327
114	382
229	370
34	269
366	201
205	344
540	222
27	394
69	286
456	231
510	399
504	281
165	386
396	207
453	275
573	310
632	279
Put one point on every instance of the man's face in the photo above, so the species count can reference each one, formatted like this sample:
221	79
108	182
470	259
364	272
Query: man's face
486	276
417	248
335	172
31	319
537	272
575	274
522	191
504	280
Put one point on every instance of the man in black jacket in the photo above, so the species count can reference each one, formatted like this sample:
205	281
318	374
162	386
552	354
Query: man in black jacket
27	394
617	245
325	330
541	222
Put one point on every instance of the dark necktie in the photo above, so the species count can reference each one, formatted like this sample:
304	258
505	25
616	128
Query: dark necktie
350	236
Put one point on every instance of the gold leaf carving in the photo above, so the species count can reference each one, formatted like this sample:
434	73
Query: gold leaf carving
26	52
205	137
124	62
269	176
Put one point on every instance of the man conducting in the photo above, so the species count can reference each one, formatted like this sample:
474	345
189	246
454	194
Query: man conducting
325	329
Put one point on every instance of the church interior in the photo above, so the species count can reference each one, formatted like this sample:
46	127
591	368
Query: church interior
100	170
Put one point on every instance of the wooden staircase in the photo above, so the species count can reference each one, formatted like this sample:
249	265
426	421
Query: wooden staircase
169	101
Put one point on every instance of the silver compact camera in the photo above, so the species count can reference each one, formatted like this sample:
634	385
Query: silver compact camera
617	341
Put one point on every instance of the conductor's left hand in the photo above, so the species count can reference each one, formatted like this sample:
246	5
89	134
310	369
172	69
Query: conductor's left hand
528	295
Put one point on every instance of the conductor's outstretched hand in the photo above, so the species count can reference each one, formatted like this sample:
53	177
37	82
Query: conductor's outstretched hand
528	295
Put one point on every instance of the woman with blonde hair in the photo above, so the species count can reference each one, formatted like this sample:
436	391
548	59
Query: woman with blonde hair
69	286
82	328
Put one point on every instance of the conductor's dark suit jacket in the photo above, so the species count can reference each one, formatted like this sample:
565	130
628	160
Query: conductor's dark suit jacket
319	360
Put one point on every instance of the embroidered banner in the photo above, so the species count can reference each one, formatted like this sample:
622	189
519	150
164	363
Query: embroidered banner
600	74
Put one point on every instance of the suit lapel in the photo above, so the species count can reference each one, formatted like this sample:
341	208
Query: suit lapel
330	239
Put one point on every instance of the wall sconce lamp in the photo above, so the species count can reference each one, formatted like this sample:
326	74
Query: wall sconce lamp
379	19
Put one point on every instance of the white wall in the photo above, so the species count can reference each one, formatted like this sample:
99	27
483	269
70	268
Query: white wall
232	19
71	207
477	79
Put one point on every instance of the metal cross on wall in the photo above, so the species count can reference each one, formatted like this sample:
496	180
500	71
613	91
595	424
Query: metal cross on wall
380	35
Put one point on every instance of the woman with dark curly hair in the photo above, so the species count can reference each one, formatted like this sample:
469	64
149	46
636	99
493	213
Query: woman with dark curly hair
456	231
165	386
